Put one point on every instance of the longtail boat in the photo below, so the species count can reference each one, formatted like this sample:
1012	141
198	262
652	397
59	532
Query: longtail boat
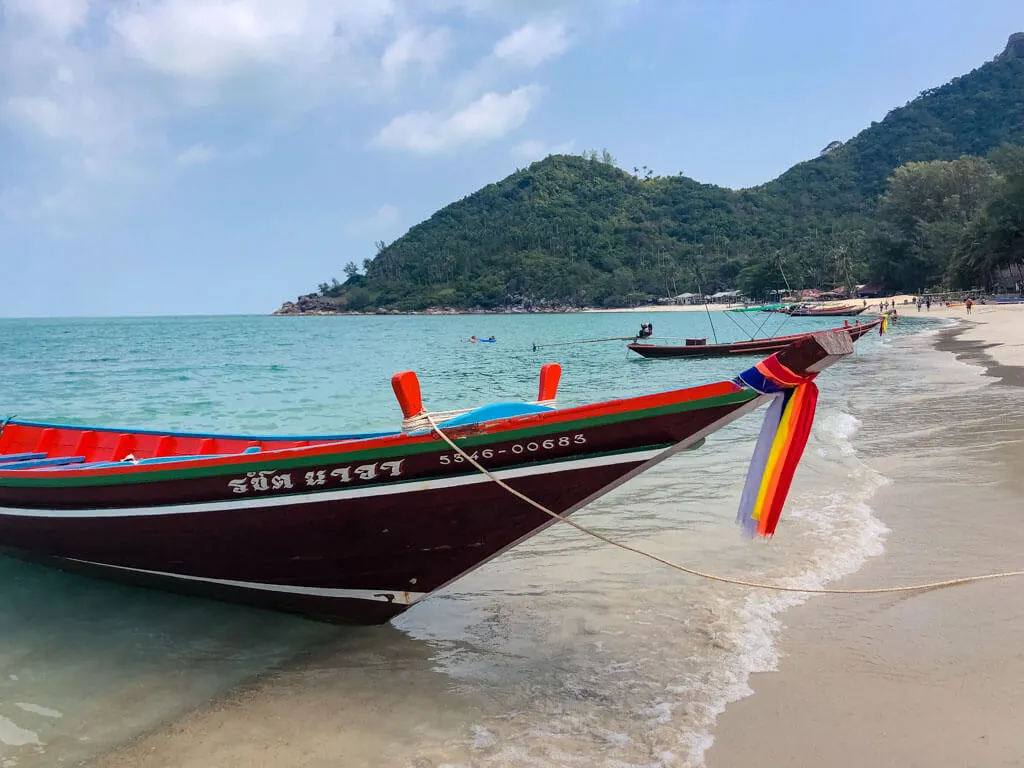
358	528
844	310
696	348
759	308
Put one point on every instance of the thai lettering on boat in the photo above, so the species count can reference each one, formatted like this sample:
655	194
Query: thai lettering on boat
272	480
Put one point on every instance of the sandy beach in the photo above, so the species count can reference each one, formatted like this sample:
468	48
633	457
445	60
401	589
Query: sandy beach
925	679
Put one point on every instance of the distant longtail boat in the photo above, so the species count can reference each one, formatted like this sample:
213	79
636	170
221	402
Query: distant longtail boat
845	310
700	348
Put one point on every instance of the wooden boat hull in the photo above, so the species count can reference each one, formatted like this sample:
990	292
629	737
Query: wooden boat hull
354	531
757	347
356	560
849	311
354	554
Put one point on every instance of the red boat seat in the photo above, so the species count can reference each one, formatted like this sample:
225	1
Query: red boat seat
125	445
47	440
164	446
86	444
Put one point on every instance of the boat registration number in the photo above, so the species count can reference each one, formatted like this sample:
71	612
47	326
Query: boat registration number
516	449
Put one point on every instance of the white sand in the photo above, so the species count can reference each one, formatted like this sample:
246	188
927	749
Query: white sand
999	328
930	679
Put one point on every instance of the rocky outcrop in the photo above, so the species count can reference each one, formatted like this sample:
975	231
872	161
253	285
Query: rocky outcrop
310	304
1014	47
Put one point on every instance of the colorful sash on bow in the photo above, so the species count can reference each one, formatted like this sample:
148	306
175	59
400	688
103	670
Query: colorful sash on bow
787	425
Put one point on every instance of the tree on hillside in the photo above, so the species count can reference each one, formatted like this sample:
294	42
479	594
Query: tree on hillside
922	218
996	238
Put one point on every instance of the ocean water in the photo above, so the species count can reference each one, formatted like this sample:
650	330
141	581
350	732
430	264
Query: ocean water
560	652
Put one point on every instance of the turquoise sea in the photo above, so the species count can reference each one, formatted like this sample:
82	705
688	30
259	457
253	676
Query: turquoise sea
560	652
332	374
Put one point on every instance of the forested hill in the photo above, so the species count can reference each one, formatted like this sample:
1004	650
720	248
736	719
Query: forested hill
577	230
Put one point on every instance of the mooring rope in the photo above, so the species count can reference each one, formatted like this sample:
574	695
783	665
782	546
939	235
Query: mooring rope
703	574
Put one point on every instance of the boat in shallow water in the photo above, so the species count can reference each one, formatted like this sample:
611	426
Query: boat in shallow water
697	348
358	528
844	310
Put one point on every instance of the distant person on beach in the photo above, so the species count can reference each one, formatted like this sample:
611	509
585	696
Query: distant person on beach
928	304
969	304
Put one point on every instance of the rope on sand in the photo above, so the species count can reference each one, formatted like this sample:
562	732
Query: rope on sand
703	574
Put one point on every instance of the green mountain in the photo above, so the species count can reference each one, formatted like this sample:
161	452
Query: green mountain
576	230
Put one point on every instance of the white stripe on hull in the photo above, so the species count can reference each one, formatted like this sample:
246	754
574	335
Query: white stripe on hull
380	595
412	486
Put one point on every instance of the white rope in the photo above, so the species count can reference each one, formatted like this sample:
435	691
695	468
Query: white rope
702	574
422	419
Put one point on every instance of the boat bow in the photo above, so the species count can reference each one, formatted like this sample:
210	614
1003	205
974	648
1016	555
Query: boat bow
787	425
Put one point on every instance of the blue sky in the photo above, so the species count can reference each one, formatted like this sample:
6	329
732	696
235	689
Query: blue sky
222	156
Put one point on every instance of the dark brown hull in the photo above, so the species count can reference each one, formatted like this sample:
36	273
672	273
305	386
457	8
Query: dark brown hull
842	312
352	558
760	347
378	546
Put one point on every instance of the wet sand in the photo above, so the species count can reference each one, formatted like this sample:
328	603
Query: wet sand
360	701
927	679
991	336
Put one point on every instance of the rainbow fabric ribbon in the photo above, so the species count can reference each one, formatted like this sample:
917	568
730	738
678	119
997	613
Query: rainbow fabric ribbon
787	425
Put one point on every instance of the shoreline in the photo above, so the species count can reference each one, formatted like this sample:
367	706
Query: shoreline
645	308
927	678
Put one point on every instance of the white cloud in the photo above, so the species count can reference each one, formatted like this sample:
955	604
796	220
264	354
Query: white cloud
490	117
526	47
206	40
103	84
532	149
532	44
386	216
37	112
417	45
197	154
381	224
52	18
133	67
